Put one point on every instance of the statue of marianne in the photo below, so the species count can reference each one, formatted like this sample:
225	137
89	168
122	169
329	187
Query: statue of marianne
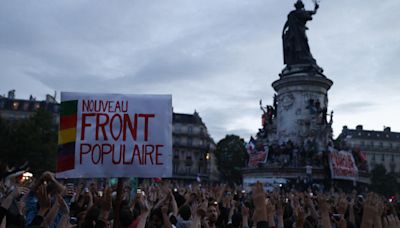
295	42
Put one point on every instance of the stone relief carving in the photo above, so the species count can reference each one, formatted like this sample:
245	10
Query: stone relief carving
286	100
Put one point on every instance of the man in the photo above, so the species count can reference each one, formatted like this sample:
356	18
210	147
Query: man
212	216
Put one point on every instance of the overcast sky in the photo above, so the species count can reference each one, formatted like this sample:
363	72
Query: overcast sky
218	57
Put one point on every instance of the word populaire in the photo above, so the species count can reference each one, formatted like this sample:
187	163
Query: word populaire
115	130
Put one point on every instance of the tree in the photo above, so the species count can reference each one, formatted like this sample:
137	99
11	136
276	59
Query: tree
383	182
231	157
33	139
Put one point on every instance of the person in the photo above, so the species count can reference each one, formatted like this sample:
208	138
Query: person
295	43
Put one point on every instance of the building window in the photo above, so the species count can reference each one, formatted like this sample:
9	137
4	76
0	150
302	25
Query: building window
1	104
37	106
392	157
373	157
383	157
26	106
15	105
190	130
190	142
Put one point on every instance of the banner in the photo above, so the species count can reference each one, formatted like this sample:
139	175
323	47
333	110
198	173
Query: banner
111	135
258	157
342	165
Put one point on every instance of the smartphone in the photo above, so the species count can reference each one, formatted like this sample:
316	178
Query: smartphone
139	191
336	217
73	220
100	193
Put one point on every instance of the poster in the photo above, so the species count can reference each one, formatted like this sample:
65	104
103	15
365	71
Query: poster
258	157
342	165
113	135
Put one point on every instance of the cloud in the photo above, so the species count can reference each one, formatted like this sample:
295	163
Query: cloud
354	107
218	57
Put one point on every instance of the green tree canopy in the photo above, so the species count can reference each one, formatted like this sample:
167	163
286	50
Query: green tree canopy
33	139
231	157
383	182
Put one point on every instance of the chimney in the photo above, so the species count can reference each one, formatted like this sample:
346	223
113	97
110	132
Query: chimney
386	129
11	94
50	99
359	127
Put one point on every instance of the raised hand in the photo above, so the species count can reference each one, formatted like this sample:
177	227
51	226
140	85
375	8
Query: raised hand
62	204
260	210
391	221
44	199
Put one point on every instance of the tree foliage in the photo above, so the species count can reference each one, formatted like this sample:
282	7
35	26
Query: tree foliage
383	182
33	139
231	157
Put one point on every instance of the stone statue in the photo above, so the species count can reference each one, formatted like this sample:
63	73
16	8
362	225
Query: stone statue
295	43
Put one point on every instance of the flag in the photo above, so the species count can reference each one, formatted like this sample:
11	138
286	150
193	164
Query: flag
362	156
157	179
251	145
198	179
66	135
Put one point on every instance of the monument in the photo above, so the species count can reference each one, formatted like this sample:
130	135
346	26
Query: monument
300	109
295	128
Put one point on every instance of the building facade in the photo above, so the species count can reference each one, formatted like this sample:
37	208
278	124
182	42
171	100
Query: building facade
193	148
380	147
13	109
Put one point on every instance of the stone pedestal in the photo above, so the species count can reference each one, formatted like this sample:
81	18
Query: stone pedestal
302	95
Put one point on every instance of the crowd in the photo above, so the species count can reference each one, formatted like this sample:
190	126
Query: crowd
47	202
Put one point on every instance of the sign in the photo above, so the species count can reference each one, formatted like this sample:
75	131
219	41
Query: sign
258	157
112	135
342	165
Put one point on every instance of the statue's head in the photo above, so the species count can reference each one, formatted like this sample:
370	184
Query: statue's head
299	4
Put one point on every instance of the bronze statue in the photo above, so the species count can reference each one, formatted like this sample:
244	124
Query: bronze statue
295	42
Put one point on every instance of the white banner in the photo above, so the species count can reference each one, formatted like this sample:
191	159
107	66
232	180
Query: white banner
113	135
342	165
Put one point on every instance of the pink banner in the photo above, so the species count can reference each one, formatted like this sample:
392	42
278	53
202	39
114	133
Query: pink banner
342	165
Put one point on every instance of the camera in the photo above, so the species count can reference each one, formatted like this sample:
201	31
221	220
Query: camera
73	220
336	217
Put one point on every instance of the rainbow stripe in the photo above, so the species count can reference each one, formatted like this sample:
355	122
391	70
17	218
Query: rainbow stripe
67	135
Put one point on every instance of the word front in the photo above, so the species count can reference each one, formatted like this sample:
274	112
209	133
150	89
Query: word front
115	126
145	154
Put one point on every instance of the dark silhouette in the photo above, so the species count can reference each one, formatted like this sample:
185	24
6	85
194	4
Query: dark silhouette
295	42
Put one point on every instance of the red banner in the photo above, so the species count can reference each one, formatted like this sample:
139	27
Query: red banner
257	157
342	165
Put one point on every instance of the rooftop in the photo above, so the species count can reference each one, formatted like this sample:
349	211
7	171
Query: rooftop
360	133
